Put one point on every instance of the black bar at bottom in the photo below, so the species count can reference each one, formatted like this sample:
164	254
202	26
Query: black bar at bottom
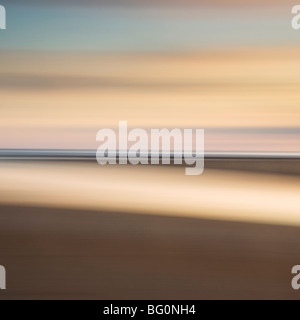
132	309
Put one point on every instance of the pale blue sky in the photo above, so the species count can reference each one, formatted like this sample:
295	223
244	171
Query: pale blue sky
142	29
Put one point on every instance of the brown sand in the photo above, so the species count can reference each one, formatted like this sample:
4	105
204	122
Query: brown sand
73	254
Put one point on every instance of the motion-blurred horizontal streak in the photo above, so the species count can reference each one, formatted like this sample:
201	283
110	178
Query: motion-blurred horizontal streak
266	162
70	154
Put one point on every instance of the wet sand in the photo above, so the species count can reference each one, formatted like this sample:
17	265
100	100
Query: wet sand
81	254
216	194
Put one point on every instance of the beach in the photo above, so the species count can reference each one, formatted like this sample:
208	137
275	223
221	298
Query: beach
76	230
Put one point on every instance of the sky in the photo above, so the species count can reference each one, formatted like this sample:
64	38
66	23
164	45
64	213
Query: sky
68	70
149	28
148	2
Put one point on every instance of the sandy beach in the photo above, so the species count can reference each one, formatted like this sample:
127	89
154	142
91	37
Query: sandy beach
76	254
75	230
